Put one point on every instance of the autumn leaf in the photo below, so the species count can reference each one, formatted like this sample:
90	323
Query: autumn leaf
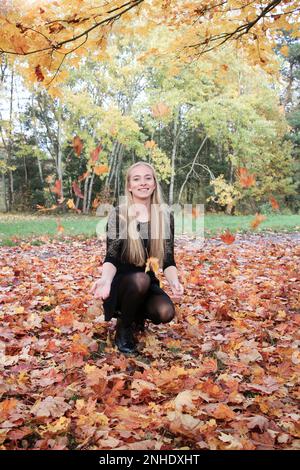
77	190
101	169
258	219
77	145
84	176
245	179
274	203
160	110
227	237
39	74
70	204
95	153
152	263
150	144
57	188
50	406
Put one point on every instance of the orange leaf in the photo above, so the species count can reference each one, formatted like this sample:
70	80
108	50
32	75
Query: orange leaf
223	411
160	110
77	145
78	348
77	190
274	203
258	219
152	263
70	204
82	177
100	169
39	74
65	318
96	203
227	237
57	188
245	179
150	144
60	228
95	153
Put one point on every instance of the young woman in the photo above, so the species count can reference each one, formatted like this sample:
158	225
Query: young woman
143	227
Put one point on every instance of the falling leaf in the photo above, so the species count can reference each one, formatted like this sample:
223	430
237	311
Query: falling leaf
101	169
57	188
39	74
77	145
150	144
77	190
227	237
152	263
160	110
70	204
258	219
274	203
95	153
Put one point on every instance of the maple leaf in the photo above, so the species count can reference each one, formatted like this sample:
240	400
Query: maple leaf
95	153
96	202
245	179
39	74
160	110
50	406
152	263
150	144
258	219
77	190
100	169
77	145
234	442
82	177
65	318
227	237
70	204
57	188
60	228
274	203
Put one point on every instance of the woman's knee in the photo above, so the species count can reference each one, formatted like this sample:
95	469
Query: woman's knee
140	282
166	312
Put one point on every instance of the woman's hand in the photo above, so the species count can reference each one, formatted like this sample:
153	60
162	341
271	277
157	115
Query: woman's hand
101	289
177	289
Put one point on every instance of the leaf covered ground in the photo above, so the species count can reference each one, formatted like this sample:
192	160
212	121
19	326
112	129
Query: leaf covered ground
223	375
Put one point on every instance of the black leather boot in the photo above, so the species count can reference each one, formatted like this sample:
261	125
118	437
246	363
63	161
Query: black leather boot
124	338
139	324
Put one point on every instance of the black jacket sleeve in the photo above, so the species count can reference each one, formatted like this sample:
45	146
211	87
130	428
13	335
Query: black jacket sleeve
113	242
169	253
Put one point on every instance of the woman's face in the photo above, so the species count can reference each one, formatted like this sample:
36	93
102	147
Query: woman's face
141	182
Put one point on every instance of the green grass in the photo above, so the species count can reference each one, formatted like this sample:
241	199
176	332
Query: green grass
14	227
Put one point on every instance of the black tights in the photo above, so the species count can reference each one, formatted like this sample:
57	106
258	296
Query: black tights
135	302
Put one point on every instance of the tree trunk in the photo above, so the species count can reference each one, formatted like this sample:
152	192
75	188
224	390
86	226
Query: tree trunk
192	168
59	152
85	194
90	193
40	170
10	146
176	133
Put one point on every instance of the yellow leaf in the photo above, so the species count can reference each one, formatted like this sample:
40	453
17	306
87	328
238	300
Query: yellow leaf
285	51
19	310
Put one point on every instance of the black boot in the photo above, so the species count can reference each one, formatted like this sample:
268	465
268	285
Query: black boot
124	338
139	325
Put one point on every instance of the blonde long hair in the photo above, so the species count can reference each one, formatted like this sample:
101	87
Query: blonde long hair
133	249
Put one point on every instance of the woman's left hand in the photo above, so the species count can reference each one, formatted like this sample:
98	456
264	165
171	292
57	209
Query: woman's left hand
177	288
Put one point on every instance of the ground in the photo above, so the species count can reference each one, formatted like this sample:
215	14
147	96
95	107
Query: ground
222	375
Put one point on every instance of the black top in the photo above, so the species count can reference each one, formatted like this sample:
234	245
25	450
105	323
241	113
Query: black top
114	245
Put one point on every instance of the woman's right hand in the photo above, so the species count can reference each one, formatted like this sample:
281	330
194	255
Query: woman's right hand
101	289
